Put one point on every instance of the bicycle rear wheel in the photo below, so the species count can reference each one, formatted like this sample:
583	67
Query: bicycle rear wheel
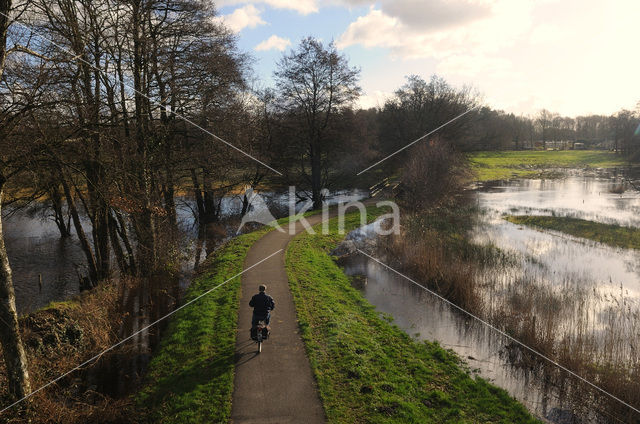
259	347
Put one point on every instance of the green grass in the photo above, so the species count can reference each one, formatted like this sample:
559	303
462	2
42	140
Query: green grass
190	377
369	370
611	234
63	304
521	164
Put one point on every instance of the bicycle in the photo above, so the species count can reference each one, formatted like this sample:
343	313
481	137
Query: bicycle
260	333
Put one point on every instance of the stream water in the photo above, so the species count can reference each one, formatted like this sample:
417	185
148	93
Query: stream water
584	288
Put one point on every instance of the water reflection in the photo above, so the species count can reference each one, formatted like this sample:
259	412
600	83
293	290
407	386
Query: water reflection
587	197
425	317
570	266
36	251
146	301
572	295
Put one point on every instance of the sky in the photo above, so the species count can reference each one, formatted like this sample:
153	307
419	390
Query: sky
568	56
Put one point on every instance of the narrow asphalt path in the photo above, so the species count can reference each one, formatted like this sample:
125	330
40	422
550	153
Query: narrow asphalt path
277	385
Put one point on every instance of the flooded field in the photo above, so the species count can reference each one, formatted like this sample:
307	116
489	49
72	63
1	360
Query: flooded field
37	253
566	294
577	300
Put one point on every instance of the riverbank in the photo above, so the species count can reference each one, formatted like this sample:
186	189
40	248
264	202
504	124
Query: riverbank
489	166
367	369
609	234
59	337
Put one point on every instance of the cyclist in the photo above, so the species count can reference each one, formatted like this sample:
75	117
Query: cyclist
262	305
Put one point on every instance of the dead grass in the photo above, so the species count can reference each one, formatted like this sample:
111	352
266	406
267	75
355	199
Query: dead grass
57	339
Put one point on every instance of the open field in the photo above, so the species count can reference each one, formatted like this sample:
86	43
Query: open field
611	234
369	370
489	166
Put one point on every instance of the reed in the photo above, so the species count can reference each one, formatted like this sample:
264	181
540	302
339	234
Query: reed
594	334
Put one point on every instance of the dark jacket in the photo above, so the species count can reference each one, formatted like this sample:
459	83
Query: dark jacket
262	303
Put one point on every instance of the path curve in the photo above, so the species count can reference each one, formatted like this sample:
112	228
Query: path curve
277	385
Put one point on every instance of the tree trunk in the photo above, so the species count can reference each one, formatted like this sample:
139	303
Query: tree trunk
12	349
245	204
143	220
144	224
122	232
197	193
84	242
117	248
207	204
64	224
316	177
14	357
169	198
210	210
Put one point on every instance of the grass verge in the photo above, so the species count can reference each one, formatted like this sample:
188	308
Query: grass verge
489	166
190	378
610	234
369	370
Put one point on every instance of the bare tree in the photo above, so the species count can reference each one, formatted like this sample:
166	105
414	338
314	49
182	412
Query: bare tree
420	106
14	355
434	175
544	121
314	82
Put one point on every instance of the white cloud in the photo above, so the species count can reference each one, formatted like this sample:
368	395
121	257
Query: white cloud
373	30
490	28
304	7
436	13
244	17
273	43
427	14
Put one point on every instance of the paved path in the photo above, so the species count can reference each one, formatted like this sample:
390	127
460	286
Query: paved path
277	385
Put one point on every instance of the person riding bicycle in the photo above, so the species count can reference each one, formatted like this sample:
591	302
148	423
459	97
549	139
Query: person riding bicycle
262	305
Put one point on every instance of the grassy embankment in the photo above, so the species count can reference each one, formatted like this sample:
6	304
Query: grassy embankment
190	378
610	234
489	166
369	370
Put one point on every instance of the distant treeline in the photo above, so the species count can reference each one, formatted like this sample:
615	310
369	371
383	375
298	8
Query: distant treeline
425	105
